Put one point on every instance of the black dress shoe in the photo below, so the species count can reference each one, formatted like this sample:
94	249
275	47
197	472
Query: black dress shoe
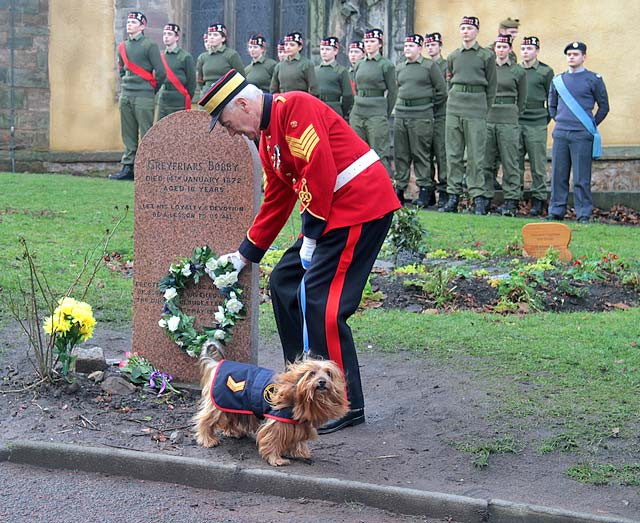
481	205
126	173
352	418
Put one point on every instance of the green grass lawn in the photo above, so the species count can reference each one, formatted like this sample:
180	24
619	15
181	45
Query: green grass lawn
578	371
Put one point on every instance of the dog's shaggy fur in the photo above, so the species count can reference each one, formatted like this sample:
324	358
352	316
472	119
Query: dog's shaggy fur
315	391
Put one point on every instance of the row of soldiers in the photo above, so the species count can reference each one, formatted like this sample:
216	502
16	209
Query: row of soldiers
478	99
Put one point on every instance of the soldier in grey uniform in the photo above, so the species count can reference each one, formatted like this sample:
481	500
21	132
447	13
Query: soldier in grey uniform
575	137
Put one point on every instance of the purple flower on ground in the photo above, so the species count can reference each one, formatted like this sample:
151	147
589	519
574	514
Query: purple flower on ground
166	379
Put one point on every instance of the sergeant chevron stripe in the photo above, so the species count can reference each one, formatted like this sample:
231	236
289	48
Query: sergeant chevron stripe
303	147
235	386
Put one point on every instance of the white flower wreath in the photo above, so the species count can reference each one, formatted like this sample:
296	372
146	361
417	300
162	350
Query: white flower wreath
179	326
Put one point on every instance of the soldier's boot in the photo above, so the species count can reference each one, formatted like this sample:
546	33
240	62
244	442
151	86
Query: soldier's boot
481	205
125	173
536	207
400	195
508	208
424	197
432	198
443	196
451	205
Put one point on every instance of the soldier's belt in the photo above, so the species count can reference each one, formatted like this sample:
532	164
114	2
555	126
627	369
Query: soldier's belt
534	104
504	100
348	174
370	93
330	97
464	88
412	102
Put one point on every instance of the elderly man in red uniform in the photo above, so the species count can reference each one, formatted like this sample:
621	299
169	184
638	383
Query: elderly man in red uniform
309	153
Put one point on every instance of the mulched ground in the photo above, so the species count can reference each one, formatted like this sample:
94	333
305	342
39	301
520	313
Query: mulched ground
478	295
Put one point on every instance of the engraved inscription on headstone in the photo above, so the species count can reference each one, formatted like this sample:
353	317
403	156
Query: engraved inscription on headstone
538	237
192	188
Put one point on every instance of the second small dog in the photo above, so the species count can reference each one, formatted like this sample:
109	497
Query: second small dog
282	410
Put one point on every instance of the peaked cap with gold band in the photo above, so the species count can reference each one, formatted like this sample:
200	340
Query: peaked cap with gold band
221	93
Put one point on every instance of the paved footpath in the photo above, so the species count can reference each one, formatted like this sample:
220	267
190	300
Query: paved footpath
31	494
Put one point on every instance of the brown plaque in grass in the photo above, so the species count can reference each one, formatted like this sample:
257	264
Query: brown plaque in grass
538	237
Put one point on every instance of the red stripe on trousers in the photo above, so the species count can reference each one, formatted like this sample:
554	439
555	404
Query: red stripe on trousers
335	293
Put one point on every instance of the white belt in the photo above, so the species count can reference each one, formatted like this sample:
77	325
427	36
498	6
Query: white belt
367	159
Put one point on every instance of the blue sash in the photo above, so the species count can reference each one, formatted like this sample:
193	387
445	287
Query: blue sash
582	115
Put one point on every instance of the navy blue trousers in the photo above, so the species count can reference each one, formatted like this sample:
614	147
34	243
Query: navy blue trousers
334	283
571	150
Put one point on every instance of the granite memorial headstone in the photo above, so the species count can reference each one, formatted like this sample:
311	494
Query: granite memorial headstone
192	188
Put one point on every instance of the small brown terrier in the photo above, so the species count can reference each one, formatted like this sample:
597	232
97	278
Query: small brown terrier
296	402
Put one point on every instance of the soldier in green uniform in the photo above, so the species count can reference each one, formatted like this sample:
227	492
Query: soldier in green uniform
356	53
282	52
260	70
534	121
202	56
218	60
376	90
180	85
433	44
296	73
421	88
509	26
334	85
503	133
142	74
471	73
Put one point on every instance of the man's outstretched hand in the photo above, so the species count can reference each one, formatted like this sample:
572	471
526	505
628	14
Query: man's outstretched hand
236	258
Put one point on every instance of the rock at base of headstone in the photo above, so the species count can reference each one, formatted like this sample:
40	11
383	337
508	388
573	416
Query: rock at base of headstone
96	376
89	359
118	386
177	437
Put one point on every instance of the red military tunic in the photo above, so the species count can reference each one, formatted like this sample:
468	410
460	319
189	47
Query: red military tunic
303	147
